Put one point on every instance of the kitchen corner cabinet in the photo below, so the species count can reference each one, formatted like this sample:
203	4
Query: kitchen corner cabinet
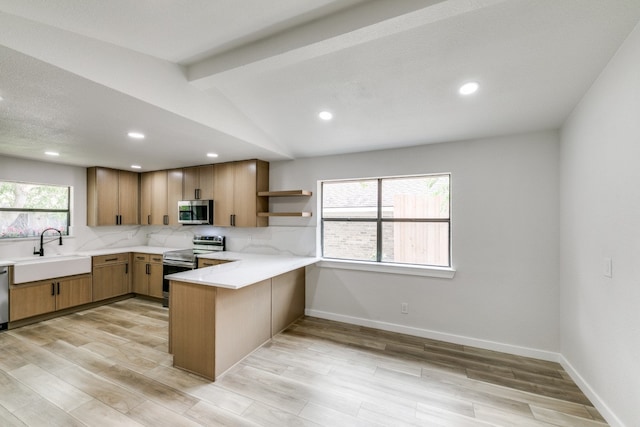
46	296
204	262
112	197
110	276
198	183
236	186
160	192
147	275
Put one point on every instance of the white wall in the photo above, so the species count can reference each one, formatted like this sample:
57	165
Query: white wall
504	238
600	316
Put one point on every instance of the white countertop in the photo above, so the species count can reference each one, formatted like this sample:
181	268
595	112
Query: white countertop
246	269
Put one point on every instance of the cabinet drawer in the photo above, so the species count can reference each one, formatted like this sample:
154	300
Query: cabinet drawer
204	262
110	259
150	258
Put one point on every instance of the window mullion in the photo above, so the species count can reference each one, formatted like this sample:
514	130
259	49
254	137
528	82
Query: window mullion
379	224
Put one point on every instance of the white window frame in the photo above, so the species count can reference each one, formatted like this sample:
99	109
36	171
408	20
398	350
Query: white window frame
380	266
68	211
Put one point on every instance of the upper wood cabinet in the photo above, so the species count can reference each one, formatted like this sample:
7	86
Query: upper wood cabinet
236	187
198	183
160	192
112	197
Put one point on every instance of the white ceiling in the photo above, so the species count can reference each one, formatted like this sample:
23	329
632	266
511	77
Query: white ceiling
247	78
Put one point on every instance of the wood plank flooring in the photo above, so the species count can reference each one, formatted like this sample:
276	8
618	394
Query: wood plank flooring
109	367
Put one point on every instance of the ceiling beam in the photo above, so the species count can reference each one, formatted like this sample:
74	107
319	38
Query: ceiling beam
359	24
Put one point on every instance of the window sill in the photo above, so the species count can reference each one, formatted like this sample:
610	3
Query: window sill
378	267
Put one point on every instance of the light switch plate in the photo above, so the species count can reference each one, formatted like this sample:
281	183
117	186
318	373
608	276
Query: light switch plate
608	272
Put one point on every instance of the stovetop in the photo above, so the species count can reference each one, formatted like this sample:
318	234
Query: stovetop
201	245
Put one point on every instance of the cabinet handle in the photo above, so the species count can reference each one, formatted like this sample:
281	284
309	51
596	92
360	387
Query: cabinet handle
110	259
148	219
197	193
165	220
126	268
58	288
147	269
53	289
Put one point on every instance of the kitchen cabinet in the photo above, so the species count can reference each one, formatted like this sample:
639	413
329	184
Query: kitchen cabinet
203	262
236	187
147	275
160	192
110	276
46	296
112	197
198	183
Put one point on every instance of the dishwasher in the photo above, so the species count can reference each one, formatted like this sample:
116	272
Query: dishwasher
4	297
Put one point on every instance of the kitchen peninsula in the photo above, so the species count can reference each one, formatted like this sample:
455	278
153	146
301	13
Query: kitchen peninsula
220	314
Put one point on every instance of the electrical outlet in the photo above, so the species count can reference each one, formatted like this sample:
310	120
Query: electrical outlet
404	308
608	268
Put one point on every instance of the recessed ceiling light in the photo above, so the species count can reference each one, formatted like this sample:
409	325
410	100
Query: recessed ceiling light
212	155
325	115
136	167
1	98
52	153
136	135
469	88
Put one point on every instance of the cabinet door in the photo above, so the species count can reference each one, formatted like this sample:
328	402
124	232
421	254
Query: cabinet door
155	276
140	282
73	291
205	182
159	198
128	190
110	281
31	300
146	193
250	177
190	182
223	190
102	196
174	195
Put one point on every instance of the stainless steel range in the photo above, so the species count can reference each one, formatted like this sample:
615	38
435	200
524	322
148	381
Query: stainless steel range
187	259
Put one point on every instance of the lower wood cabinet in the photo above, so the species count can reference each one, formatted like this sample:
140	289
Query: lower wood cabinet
45	296
147	274
110	276
203	262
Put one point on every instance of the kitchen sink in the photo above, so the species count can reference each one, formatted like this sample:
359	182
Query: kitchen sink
43	268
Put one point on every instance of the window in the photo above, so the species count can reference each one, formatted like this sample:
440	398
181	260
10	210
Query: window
401	220
27	209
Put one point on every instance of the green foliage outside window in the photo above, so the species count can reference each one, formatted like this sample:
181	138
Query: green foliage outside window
27	209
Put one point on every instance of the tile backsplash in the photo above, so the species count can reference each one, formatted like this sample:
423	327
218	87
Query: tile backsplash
268	240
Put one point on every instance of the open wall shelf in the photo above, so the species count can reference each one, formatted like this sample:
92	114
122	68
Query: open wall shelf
298	214
285	193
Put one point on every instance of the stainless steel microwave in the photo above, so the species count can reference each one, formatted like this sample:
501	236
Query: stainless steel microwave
191	212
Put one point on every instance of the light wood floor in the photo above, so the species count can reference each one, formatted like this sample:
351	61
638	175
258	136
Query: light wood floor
109	367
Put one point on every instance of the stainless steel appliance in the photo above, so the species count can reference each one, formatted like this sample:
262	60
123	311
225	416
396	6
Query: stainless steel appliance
187	259
4	297
192	212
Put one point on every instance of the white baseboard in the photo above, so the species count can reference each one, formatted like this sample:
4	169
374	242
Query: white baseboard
425	333
598	403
